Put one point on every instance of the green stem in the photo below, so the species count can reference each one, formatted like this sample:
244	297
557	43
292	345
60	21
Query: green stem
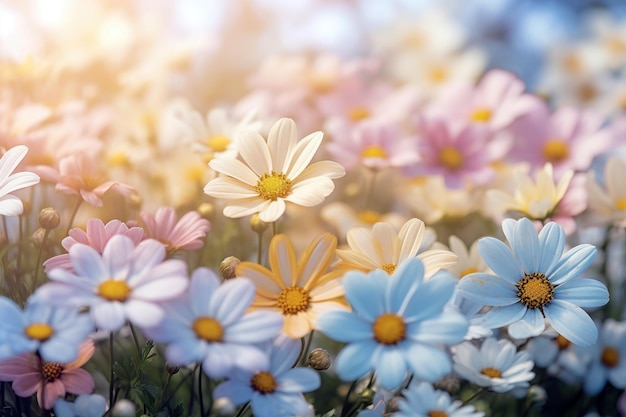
369	188
305	349
37	265
111	374
274	229
242	410
259	255
21	237
200	396
135	339
474	395
344	407
73	215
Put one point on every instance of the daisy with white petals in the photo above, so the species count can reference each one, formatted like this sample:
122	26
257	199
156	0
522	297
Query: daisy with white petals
268	174
10	205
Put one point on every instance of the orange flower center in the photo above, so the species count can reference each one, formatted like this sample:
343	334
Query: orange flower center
555	150
293	300
450	157
389	329
39	331
610	357
438	74
437	413
535	290
218	143
374	151
114	290
562	342
620	204
369	216
388	268
209	329
468	271
491	372
481	115
273	186
263	382
358	113
51	370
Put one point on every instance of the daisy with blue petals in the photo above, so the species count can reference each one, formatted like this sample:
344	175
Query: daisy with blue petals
210	325
274	389
55	333
398	325
535	281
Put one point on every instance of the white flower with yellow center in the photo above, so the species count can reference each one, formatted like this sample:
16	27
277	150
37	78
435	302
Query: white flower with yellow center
608	202
384	247
269	174
536	199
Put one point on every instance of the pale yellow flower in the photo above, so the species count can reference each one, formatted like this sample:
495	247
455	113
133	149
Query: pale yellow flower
536	199
608	202
300	290
469	259
267	175
384	247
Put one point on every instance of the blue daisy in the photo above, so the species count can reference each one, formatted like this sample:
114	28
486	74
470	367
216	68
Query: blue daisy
399	324
535	281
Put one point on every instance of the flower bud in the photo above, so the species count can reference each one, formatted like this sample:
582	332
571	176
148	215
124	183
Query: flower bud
135	201
123	408
49	218
228	266
258	225
224	407
536	394
39	237
449	383
319	359
206	210
171	369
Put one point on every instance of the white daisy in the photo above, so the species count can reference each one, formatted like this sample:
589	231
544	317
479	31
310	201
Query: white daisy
270	173
10	205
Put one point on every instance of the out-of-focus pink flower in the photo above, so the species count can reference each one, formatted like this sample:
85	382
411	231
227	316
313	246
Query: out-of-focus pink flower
188	233
462	156
97	235
79	175
375	144
569	138
50	380
495	102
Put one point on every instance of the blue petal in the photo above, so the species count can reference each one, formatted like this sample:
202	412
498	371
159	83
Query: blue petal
390	367
532	324
238	393
595	379
525	246
284	353
299	380
404	283
428	363
500	259
355	360
502	316
203	284
344	326
448	328
487	289
571	265
508	227
551	245
366	292
430	298
254	327
584	292
231	300
572	322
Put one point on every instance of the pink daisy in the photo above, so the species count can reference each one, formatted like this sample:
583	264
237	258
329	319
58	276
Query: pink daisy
50	380
78	175
461	156
495	102
97	235
569	138
188	233
374	144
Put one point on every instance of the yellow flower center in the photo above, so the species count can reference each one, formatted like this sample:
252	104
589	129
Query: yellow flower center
119	159
535	290
51	370
610	357
369	216
437	413
358	113
194	173
450	157
113	290
587	92
374	151
562	342
491	372
209	329
39	331
388	268
555	150
438	74
293	300
389	329
481	115
468	271
273	186
263	382
218	143
621	204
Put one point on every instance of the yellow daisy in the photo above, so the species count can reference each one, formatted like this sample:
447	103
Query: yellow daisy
384	247
300	290
269	174
608	202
